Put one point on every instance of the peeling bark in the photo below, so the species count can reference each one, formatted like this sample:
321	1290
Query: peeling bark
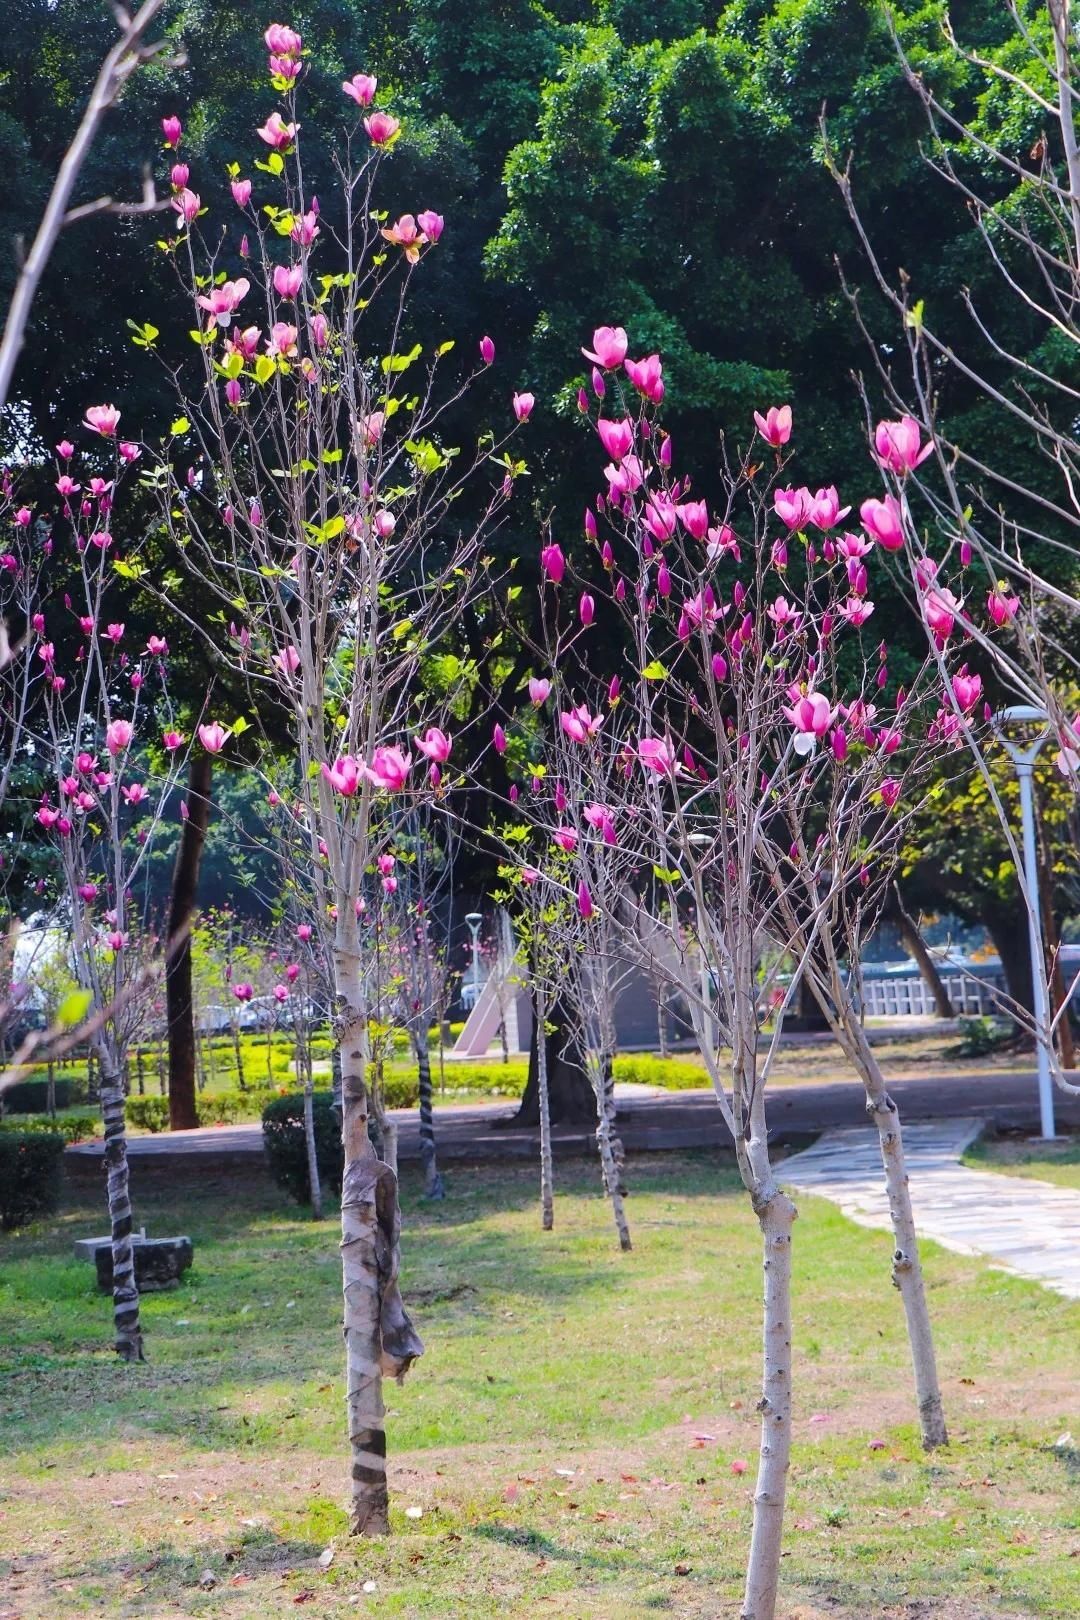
612	1158
179	999
433	1181
379	1338
547	1180
129	1339
776	1217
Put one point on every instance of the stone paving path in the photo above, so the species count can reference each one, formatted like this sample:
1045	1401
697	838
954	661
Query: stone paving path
1029	1227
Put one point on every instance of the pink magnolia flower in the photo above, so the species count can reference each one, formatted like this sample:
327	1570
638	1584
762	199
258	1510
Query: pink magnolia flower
213	736
406	234
487	350
553	563
87	892
187	204
609	348
113	632
578	724
523	406
1002	607
242	992
361	88
281	992
431	224
857	610
647	377
625	478
384	865
825	509
221	301
381	128
793	506
853	547
102	419
304	931
118	735
811	714
287	660
241	190
282	40
587	609
602	819
276	133
694	517
897	445
172	740
616	437
320	330
116	941
775	425
389	769
343	775
657	755
135	793
538	690
371	427
884	520
584	900
890	792
179	176
434	745
292	972
566	838
940	610
660	517
783	615
172	129
288	280
967	689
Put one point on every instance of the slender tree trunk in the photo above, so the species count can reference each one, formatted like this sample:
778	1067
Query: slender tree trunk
309	1139
50	1091
269	1057
92	1091
379	1338
140	1072
913	942
906	1265
776	1216
179	1000
611	1153
547	1179
129	1339
238	1053
1066	1046
661	1017
433	1181
161	1075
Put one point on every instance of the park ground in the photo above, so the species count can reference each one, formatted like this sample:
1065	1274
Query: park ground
566	1446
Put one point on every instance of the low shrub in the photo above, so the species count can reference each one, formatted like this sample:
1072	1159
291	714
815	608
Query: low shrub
32	1096
148	1113
31	1175
72	1127
978	1037
673	1073
283	1138
211	1108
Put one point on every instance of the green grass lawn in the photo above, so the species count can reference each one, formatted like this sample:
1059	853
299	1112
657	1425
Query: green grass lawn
1057	1161
567	1438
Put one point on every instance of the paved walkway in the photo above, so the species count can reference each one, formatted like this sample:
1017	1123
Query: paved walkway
1026	1226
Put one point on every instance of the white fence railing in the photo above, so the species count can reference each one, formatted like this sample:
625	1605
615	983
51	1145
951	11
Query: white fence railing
893	996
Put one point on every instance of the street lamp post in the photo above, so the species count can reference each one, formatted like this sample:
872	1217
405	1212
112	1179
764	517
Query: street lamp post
1023	759
475	922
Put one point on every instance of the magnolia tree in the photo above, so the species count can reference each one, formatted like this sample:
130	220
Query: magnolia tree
990	541
750	764
111	747
311	485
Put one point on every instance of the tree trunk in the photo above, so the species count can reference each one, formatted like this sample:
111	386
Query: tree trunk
1011	943
776	1218
607	1140
547	1179
129	1339
238	1053
433	1181
50	1090
379	1338
1066	1047
179	1002
309	1143
570	1096
140	1072
915	945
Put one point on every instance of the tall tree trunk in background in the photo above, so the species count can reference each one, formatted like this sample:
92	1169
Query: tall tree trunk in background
1013	948
433	1181
303	1062
547	1179
913	942
179	1002
379	1338
129	1339
1051	946
570	1095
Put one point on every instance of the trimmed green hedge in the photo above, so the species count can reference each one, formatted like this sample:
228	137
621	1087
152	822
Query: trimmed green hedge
31	1175
72	1127
283	1138
211	1108
674	1073
32	1096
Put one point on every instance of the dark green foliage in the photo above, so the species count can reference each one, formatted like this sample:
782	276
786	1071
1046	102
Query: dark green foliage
283	1136
72	1127
31	1173
32	1096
